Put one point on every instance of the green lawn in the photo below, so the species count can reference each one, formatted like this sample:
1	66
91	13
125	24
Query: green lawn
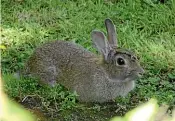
144	26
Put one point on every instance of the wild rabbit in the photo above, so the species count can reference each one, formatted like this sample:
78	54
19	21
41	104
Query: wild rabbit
94	78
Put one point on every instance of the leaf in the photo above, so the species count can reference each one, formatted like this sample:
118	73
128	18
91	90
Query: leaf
11	111
145	112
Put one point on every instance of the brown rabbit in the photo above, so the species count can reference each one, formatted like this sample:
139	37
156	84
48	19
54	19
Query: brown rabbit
94	78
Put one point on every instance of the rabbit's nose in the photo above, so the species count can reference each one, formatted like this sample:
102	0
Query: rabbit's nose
141	71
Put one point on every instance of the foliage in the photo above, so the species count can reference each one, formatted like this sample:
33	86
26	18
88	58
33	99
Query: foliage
149	111
11	111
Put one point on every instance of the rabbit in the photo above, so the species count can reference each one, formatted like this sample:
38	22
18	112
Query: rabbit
94	77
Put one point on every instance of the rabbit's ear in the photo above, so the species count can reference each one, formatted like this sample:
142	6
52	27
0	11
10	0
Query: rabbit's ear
112	37
99	40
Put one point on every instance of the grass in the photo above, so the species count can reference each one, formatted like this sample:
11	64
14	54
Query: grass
145	26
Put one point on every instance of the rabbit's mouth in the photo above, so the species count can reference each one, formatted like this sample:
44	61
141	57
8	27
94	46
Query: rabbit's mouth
130	76
134	75
139	75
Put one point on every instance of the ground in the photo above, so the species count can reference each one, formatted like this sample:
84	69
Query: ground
145	26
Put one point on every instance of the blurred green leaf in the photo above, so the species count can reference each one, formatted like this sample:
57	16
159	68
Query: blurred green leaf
12	111
149	111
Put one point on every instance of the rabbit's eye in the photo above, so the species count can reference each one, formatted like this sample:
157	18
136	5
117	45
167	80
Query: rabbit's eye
120	61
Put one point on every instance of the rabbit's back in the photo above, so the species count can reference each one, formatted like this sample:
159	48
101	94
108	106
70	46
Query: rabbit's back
63	49
66	60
